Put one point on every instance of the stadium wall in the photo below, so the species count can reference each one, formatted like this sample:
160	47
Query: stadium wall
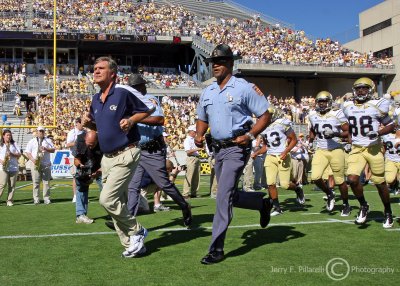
385	38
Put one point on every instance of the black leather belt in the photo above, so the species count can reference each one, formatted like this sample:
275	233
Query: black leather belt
222	144
153	145
120	151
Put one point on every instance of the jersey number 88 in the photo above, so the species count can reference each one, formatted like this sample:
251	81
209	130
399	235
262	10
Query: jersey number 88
362	126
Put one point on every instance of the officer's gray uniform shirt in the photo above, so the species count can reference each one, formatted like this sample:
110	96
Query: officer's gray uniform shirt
228	110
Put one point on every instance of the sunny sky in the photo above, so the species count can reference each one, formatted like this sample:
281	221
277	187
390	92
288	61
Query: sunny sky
336	19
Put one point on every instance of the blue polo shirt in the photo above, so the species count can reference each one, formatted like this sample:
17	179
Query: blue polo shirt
149	132
229	110
119	104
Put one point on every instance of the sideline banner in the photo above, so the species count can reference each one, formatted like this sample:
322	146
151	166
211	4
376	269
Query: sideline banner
61	162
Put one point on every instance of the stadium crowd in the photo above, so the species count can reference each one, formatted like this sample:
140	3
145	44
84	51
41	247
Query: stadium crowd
116	17
254	40
257	43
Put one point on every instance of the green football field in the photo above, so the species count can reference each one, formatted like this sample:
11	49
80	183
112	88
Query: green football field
42	245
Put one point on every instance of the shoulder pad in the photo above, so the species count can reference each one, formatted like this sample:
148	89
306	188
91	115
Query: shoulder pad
382	104
284	121
347	104
312	113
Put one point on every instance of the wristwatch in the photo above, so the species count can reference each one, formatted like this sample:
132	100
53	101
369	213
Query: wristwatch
251	136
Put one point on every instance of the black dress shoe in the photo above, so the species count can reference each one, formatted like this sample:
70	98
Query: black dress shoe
265	213
213	257
110	224
187	216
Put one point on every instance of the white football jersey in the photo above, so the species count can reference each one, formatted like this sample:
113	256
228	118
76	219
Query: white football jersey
364	118
391	153
334	119
276	135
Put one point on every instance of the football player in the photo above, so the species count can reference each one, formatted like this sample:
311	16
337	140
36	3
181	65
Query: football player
327	127
365	116
279	139
392	160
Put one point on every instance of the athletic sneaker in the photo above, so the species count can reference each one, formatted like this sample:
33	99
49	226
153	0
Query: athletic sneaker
47	202
137	241
161	208
362	214
346	210
388	221
84	219
330	202
127	254
300	195
9	204
276	212
36	201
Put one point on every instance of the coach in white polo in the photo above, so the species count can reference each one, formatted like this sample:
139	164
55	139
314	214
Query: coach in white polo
192	177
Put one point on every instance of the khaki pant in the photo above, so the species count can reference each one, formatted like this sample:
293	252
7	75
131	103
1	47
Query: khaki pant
391	171
275	167
360	156
323	159
248	175
116	175
192	177
8	179
44	174
143	202
297	171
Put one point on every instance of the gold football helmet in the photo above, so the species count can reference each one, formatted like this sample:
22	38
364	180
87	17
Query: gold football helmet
275	112
363	82
323	96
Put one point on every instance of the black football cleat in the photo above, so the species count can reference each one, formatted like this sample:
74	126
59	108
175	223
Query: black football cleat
110	224
187	216
265	213
213	257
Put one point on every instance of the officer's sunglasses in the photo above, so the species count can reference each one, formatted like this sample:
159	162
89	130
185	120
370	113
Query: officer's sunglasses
219	61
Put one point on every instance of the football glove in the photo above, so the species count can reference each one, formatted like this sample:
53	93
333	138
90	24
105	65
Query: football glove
373	135
347	148
328	133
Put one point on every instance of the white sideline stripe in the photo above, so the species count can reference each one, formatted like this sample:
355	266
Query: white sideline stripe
311	214
342	221
55	235
393	229
170	229
22	186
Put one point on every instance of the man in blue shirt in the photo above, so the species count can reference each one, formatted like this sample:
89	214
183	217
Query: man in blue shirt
114	112
153	156
227	106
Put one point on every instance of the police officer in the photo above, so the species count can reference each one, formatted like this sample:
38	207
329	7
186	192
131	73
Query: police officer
226	106
153	155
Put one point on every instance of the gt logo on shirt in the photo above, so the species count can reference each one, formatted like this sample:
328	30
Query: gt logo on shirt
113	107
